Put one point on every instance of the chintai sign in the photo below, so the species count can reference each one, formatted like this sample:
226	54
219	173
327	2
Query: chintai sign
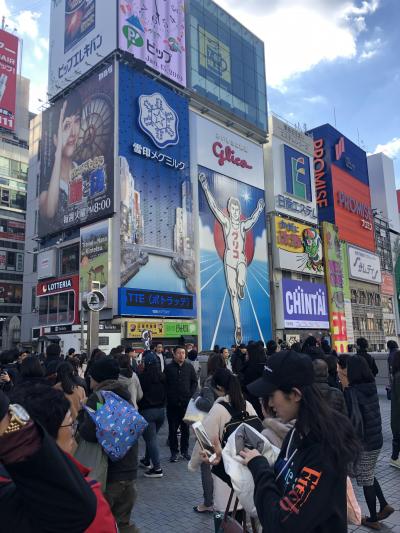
305	304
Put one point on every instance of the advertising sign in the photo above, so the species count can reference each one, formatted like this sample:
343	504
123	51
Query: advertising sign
353	212
214	56
305	304
298	247
8	78
82	34
235	297
77	156
47	288
156	303
47	264
387	286
223	151
292	136
335	283
95	257
160	328
155	33
58	301
157	227
298	174
364	266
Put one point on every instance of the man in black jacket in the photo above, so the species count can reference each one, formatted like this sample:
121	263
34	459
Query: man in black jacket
121	491
48	492
334	397
181	384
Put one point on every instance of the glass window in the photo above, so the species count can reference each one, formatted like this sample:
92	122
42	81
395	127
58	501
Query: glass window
5	197
11	260
63	308
57	309
69	259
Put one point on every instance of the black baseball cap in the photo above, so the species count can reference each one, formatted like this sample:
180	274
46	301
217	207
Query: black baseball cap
284	370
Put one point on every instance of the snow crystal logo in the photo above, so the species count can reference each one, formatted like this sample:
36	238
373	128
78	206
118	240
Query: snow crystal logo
158	120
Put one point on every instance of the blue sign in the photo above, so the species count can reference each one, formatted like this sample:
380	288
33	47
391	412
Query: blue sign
157	226
305	304
156	303
298	175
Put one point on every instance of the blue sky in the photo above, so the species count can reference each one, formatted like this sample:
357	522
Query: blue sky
321	56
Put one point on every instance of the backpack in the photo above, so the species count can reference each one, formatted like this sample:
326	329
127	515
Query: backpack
118	425
237	418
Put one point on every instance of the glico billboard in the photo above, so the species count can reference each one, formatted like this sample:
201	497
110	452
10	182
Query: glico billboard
342	186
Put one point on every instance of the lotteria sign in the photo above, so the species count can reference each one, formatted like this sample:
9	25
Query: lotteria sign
225	152
305	304
59	285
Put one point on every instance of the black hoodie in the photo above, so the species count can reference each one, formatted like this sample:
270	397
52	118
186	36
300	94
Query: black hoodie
310	494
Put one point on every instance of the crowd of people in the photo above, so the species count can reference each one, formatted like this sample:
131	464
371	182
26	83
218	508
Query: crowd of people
320	409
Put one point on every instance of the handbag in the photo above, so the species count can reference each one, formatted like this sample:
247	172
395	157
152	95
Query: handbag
193	414
91	455
229	524
353	507
118	425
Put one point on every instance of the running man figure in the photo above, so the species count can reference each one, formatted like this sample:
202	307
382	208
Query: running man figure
235	261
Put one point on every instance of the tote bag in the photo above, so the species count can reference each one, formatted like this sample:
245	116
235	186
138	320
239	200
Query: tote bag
91	455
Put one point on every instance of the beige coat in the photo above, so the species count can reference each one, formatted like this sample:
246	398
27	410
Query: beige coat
214	424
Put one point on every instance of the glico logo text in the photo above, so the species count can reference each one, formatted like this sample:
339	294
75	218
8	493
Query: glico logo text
227	155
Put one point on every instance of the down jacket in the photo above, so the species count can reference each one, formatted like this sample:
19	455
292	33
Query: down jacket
368	402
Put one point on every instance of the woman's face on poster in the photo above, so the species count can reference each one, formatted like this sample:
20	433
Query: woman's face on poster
70	134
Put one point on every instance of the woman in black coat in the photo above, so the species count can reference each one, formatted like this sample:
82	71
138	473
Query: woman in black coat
363	406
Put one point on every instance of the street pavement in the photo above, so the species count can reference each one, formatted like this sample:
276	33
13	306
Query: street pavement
166	505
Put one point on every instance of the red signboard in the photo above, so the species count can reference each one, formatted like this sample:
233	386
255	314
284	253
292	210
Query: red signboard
8	78
60	310
55	286
387	286
353	212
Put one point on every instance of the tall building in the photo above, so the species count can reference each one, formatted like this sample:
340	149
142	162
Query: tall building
14	158
183	96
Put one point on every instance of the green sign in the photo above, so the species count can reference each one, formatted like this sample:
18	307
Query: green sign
176	329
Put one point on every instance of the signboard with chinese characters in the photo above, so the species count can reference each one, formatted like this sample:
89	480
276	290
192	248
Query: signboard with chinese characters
305	305
155	33
173	329
157	226
298	247
8	78
82	34
335	282
160	328
77	156
225	152
156	303
364	265
387	286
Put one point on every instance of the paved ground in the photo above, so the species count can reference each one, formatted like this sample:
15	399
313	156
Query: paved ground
166	505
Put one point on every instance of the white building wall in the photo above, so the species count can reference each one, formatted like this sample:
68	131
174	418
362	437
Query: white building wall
383	188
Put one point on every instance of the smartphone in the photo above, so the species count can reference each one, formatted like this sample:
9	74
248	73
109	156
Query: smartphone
204	441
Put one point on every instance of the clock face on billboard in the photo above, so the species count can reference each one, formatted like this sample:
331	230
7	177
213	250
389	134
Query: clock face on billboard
94	301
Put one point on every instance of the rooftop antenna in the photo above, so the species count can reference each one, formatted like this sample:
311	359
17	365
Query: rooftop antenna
334	115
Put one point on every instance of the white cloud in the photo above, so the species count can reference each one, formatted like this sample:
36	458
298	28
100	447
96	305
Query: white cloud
27	25
206	238
299	36
317	99
391	148
37	95
260	247
370	49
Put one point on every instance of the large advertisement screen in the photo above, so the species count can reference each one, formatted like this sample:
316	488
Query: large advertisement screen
157	233
305	304
8	78
235	294
353	211
77	156
298	247
82	34
95	257
335	281
155	33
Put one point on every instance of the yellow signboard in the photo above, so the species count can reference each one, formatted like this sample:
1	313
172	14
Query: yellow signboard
135	328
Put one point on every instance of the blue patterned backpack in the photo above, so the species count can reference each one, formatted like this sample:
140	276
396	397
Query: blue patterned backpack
118	425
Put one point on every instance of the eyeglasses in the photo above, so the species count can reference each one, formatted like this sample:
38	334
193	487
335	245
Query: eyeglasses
67	425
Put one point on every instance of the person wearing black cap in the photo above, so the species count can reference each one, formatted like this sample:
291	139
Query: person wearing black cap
306	489
121	491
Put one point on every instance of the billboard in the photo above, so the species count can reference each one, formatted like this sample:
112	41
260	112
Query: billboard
156	303
305	305
155	33
58	301
335	283
298	247
353	212
77	156
160	328
8	78
95	258
82	34
226	152
364	266
387	286
235	297
157	232
298	174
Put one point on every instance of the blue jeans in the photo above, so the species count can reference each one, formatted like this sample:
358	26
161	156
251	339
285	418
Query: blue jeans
155	418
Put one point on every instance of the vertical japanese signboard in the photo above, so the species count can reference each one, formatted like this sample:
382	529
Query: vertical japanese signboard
8	78
335	283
